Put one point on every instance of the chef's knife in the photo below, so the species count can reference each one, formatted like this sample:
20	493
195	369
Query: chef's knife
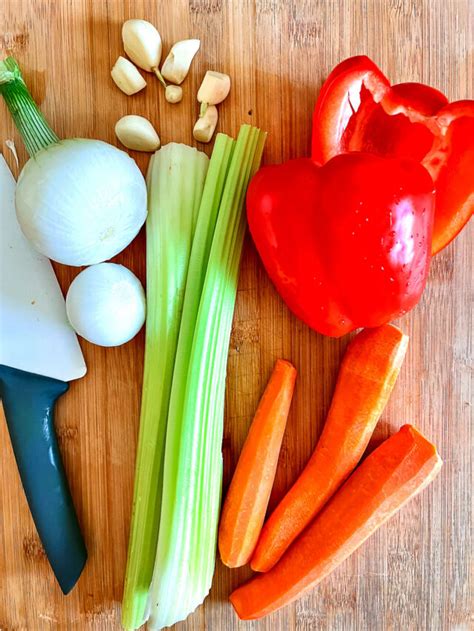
39	354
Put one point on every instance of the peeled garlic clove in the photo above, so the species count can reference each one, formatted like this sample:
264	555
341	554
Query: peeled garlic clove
127	77
214	88
136	132
206	125
178	61
142	43
173	93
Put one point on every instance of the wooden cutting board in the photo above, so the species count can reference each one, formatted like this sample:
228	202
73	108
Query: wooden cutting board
414	573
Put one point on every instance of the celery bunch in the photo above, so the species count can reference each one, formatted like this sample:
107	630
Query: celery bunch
175	184
192	473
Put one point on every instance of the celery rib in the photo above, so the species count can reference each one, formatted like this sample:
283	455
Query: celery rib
175	183
191	298
193	468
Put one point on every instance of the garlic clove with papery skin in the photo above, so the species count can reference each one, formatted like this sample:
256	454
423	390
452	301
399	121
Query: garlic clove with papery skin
214	89
142	43
173	93
206	125
177	63
127	77
136	132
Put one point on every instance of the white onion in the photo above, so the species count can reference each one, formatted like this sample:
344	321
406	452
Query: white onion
81	201
105	304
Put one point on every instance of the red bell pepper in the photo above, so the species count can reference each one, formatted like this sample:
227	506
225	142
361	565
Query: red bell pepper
347	244
358	110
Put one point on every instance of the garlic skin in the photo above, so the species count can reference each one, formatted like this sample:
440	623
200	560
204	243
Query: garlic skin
206	125
215	87
177	63
142	43
136	132
173	93
106	304
126	76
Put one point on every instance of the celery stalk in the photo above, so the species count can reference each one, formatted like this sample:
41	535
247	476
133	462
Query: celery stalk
193	461
175	184
207	218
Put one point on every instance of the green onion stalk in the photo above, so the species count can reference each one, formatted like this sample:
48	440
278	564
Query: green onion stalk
30	122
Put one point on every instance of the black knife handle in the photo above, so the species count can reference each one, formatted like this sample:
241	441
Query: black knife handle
28	402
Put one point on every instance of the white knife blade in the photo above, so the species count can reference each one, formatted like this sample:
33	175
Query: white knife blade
35	334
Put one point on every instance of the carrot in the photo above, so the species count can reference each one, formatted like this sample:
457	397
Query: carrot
247	499
394	473
366	378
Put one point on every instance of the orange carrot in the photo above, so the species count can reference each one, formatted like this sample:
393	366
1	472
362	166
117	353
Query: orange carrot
247	499
396	471
366	378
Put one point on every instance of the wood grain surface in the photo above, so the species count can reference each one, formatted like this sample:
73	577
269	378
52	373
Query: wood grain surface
414	574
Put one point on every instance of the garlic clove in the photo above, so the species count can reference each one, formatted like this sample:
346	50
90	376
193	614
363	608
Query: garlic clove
178	61
127	77
214	88
206	125
142	43
136	132
173	93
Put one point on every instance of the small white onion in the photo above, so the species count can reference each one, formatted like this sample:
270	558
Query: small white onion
81	201
105	304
